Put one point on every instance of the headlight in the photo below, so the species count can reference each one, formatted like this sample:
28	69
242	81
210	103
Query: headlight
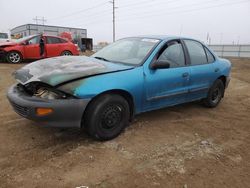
45	93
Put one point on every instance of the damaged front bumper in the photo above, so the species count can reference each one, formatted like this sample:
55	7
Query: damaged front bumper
66	113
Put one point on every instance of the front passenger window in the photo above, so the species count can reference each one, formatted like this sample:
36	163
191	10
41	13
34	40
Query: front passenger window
174	55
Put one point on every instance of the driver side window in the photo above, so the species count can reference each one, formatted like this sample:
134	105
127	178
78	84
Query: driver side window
173	54
34	40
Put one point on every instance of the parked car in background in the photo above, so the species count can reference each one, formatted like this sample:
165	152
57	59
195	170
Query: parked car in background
133	75
4	37
36	47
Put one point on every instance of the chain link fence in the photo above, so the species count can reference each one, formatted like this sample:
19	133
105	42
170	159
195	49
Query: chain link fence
231	50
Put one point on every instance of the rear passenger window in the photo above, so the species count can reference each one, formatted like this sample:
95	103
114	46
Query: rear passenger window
210	57
53	40
62	41
174	55
196	52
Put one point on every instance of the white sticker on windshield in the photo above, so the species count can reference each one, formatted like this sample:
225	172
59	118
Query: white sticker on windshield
150	40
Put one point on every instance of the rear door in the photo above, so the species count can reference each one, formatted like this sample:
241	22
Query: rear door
202	70
54	46
32	48
165	87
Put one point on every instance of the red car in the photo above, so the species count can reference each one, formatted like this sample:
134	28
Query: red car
36	47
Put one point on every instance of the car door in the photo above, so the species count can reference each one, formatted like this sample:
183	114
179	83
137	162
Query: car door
202	70
32	48
53	46
169	86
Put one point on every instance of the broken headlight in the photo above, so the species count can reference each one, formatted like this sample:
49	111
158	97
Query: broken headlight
45	93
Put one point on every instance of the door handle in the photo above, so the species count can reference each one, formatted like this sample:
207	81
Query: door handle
216	70
184	75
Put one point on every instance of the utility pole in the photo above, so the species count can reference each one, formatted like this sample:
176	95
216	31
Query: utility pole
113	3
37	19
221	37
181	29
238	40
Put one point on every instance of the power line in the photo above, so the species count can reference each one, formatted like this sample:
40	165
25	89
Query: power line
145	2
80	11
101	13
94	15
177	7
184	11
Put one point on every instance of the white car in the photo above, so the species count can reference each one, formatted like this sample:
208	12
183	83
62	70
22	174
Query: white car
4	37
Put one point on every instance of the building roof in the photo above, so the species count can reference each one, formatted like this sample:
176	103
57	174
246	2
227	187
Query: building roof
48	26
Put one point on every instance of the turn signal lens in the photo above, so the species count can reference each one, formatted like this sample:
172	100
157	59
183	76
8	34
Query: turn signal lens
43	111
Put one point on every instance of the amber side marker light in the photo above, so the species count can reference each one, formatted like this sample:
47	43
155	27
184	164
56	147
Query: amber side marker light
43	111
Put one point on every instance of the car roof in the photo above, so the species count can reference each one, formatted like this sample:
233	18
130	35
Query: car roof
165	37
45	35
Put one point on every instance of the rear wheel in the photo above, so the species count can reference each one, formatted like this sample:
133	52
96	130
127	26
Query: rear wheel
66	53
215	94
106	117
14	57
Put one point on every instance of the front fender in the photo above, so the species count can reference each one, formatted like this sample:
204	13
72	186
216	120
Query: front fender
14	48
130	81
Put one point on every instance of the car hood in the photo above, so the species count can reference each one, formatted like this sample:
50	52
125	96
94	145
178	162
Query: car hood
6	44
55	71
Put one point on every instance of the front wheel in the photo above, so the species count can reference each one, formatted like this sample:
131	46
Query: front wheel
106	117
215	94
14	57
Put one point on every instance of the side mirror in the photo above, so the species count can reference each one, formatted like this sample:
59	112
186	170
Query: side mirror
160	64
25	43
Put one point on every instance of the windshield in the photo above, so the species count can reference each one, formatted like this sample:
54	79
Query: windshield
128	51
24	38
3	36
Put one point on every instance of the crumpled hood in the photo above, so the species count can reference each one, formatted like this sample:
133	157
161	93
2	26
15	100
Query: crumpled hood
57	70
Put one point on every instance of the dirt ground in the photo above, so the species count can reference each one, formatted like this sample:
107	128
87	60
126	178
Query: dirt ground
184	146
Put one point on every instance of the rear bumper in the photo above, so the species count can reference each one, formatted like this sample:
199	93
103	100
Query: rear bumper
66	112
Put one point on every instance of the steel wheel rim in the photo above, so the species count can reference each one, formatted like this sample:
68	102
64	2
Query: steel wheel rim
111	117
14	57
216	94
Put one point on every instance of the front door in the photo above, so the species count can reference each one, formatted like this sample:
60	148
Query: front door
32	48
166	87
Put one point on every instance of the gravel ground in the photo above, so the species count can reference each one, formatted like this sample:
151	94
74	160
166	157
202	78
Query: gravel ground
183	146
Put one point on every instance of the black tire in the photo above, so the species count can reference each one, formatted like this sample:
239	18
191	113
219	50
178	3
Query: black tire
14	57
66	53
215	94
106	117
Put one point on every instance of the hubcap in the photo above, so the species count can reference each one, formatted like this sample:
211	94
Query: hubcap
111	117
14	57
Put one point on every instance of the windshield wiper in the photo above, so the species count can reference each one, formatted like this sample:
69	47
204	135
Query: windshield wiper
102	58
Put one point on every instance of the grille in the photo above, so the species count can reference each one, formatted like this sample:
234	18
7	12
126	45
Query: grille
23	111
